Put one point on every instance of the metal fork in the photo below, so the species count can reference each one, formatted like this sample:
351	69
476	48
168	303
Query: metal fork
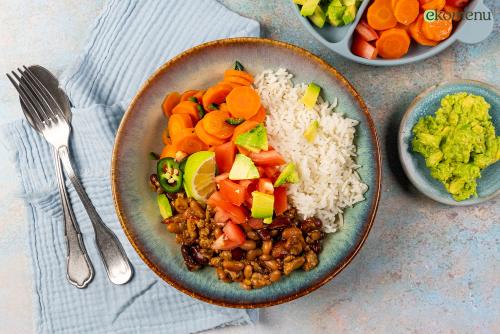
48	117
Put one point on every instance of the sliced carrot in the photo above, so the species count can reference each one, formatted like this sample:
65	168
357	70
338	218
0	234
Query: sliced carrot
205	137
187	94
243	102
380	15
417	35
191	144
223	107
433	4
177	122
215	124
199	95
260	116
230	84
215	94
393	4
406	11
360	47
169	102
393	43
168	151
164	136
239	81
187	107
455	12
243	127
437	30
242	74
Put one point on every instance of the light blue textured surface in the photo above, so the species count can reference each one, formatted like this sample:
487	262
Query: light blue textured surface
129	41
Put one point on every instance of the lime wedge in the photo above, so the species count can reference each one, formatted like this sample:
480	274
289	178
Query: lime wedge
199	175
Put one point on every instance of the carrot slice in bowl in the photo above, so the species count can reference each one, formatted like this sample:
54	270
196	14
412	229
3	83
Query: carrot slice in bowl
439	29
432	4
243	102
393	43
215	95
187	107
188	142
242	74
169	151
164	137
215	124
238	81
205	137
260	116
380	15
169	102
406	11
417	35
177	122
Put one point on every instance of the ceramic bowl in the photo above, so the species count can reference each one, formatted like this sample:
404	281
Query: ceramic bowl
339	39
140	132
488	186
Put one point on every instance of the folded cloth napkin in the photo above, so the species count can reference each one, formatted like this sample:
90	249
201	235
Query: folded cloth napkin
128	42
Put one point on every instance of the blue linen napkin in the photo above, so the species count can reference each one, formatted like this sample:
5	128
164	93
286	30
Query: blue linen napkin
127	43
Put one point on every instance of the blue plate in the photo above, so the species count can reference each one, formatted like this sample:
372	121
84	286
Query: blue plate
488	186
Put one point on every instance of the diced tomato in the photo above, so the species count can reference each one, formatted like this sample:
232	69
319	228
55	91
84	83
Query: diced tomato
224	243
221	216
362	48
256	223
250	186
265	186
232	192
457	3
234	232
365	31
267	158
261	171
221	177
271	172
224	156
280	200
237	214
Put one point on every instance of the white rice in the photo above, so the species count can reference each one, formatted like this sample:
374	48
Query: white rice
329	182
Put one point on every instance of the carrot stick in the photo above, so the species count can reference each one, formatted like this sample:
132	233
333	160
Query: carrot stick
242	74
214	123
416	32
380	15
406	11
393	43
187	107
177	122
260	116
206	138
169	102
215	94
437	30
243	102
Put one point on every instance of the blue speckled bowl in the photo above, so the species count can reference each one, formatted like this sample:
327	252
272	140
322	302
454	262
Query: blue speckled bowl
414	164
140	133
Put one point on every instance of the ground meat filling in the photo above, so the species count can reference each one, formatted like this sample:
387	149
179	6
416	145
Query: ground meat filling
287	244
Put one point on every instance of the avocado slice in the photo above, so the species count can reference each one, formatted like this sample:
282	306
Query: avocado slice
318	17
311	131
288	175
254	140
337	3
268	220
334	14
309	7
348	2
243	169
164	205
349	14
262	205
299	2
311	96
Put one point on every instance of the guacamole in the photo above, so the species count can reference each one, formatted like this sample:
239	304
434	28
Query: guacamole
458	142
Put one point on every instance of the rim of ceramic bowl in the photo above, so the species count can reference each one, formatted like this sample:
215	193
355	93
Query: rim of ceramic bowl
122	132
404	122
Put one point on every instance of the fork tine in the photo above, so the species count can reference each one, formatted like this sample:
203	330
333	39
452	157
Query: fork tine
49	98
31	109
31	85
38	108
